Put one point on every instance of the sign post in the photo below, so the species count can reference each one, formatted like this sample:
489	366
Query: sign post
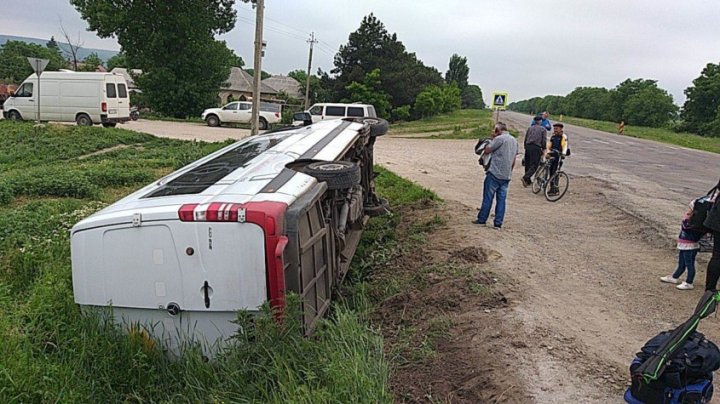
500	101
38	66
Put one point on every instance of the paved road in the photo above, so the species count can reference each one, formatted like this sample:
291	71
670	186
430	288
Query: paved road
603	155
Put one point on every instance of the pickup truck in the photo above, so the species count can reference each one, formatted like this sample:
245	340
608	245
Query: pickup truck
241	112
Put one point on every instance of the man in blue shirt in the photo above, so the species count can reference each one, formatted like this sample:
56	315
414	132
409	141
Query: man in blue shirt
545	122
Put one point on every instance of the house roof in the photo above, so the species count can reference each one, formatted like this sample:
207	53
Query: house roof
240	80
286	84
126	74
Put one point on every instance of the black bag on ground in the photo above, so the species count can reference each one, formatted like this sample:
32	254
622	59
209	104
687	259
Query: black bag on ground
701	211
692	364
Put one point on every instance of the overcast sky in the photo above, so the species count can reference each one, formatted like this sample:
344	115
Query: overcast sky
528	48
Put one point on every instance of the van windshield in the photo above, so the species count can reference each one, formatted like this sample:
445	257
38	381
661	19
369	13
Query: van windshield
207	174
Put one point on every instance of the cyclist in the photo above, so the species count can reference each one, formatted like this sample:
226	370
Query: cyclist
558	149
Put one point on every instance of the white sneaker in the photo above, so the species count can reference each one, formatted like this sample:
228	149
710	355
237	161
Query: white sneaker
685	286
669	279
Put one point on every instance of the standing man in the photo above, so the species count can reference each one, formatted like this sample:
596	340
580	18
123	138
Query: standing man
558	147
545	122
503	150
535	143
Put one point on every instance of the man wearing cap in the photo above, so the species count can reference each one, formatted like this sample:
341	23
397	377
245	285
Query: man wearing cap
535	143
558	146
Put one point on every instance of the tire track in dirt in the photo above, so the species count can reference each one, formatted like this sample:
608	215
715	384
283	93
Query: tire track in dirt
581	274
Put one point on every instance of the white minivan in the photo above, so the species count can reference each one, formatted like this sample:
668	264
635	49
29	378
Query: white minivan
324	111
271	214
83	97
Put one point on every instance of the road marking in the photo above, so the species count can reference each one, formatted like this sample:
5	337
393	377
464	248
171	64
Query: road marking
601	141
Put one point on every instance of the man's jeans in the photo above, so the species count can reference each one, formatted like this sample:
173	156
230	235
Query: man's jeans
492	187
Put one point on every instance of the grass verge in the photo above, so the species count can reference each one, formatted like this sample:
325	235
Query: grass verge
51	177
459	124
684	139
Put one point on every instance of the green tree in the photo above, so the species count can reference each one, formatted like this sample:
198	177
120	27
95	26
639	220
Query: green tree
371	47
315	89
650	106
472	97
451	99
14	66
700	111
90	63
173	43
370	92
425	104
119	60
620	94
587	102
458	72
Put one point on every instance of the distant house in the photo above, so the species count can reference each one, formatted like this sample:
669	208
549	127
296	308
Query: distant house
285	84
239	86
128	78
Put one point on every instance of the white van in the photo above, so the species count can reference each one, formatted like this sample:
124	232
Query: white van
275	213
324	111
83	97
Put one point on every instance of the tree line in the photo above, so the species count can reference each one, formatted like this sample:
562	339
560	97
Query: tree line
636	102
183	65
640	102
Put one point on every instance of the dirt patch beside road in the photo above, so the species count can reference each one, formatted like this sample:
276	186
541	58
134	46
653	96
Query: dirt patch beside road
580	275
186	130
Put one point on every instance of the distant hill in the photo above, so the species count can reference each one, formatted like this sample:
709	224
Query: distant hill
104	54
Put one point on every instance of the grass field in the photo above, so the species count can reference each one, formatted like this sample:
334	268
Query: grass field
50	178
689	140
459	124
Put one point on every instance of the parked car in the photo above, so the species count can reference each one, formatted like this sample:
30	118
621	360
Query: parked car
85	98
324	111
271	214
241	112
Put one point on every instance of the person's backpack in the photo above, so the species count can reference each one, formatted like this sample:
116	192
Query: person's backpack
712	219
701	210
484	159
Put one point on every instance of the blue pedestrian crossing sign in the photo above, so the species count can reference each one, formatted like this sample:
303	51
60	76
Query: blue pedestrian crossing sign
500	100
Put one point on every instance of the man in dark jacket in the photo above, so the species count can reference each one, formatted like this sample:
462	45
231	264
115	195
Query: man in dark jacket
535	144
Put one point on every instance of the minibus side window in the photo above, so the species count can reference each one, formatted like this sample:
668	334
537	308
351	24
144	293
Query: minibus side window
110	90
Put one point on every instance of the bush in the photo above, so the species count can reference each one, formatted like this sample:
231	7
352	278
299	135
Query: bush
401	113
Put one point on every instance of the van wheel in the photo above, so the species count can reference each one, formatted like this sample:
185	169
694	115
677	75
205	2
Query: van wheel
212	120
378	126
264	124
382	208
109	124
14	116
83	120
337	174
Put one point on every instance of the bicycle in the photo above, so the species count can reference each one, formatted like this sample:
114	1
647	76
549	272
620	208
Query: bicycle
559	182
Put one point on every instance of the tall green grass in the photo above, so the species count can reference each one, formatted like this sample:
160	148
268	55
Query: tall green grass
52	352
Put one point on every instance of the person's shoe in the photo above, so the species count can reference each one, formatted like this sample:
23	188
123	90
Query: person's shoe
478	222
669	279
685	286
496	227
525	183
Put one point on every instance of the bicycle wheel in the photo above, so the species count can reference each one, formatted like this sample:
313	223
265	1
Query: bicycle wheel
557	186
539	180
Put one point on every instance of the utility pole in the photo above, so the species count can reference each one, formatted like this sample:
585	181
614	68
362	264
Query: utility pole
257	66
312	41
